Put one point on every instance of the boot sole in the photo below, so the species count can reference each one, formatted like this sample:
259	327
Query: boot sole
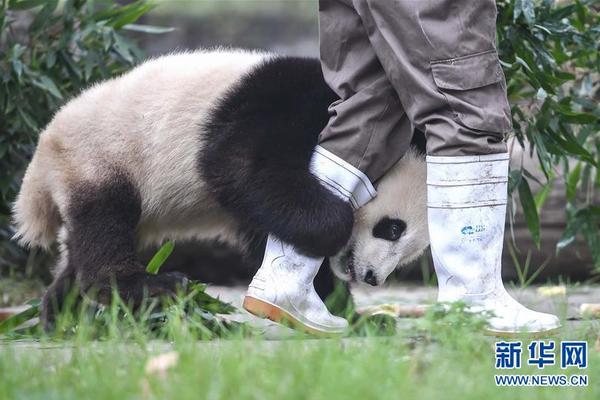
512	335
263	309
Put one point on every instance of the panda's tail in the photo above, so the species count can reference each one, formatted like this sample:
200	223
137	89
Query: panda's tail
36	218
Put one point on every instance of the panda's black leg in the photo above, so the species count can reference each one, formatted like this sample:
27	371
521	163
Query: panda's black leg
101	242
333	291
53	301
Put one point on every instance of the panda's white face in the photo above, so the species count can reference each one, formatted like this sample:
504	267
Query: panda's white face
391	230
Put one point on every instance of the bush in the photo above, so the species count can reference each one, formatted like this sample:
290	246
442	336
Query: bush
550	57
49	51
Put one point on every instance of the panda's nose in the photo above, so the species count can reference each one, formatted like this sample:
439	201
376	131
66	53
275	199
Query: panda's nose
370	278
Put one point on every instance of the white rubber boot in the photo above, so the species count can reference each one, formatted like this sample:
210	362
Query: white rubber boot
282	289
466	202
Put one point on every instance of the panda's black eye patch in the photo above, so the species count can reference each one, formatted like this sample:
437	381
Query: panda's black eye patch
389	229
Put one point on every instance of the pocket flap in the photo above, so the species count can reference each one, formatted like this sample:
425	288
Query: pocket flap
468	72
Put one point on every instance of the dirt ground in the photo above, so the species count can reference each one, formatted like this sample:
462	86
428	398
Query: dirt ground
564	301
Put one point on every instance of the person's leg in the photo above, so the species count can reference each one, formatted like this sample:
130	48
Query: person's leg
282	289
368	127
466	207
345	162
440	56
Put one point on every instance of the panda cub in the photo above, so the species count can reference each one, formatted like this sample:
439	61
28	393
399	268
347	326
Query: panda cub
203	145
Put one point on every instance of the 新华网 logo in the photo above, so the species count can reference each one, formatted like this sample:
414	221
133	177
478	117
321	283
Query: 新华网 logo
510	355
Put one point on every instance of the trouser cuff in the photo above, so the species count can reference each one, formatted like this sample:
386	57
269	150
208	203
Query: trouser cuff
467	181
342	178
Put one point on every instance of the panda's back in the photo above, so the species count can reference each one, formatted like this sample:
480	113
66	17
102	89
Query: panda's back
181	128
148	112
147	124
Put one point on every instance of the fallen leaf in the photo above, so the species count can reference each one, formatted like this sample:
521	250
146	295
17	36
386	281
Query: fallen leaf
590	310
552	291
395	310
160	364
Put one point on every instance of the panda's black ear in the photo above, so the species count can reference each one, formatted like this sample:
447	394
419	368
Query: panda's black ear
389	229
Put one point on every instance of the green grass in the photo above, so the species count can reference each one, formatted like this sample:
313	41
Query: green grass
442	356
102	352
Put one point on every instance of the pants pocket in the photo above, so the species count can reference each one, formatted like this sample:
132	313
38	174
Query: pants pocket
475	89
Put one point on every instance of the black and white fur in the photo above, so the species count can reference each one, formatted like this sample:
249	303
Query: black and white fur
204	145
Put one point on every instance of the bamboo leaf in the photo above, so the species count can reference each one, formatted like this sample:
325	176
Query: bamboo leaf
530	211
160	257
148	28
572	182
122	48
542	196
525	8
43	17
20	318
48	84
514	180
19	5
131	15
590	233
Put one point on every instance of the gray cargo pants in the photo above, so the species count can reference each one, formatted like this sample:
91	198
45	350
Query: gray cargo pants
398	65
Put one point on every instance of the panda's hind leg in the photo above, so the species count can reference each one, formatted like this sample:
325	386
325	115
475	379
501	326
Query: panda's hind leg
55	298
101	222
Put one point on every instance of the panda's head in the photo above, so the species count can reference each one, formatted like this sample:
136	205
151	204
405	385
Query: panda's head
390	230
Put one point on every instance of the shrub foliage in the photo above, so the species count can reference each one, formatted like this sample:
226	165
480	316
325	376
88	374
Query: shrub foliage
50	50
550	56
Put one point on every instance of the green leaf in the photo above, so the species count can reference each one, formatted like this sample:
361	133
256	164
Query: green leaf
131	14
148	28
90	63
541	94
115	12
577	117
204	301
514	180
530	211
590	233
572	182
48	84
542	196
160	257
18	319
29	121
567	76
24	4
569	235
17	67
581	15
525	8
3	149
51	59
593	212
17	51
570	145
43	16
122	48
597	180
522	62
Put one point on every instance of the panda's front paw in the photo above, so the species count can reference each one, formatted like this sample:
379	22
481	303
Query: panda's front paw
47	314
136	288
168	283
